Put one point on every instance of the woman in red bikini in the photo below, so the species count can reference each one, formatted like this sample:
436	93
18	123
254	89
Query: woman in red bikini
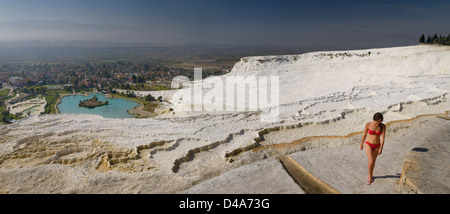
374	141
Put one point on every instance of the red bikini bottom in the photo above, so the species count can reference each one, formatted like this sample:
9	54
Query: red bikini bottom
373	146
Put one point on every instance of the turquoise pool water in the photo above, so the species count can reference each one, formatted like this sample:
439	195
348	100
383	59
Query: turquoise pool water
116	108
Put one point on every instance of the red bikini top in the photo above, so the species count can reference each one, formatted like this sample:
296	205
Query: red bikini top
373	132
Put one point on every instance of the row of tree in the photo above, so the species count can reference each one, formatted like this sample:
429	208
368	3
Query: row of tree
442	40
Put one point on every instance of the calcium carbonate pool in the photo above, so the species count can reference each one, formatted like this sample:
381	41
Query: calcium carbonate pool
116	108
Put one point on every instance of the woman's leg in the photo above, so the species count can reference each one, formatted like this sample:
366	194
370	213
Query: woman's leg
371	158
374	155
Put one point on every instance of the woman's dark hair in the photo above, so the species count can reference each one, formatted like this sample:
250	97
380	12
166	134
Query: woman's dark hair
377	116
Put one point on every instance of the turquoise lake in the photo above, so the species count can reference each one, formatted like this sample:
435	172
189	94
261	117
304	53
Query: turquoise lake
116	108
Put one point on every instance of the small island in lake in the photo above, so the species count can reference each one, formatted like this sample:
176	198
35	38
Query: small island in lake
92	103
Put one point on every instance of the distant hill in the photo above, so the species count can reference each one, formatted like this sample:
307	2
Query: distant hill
62	30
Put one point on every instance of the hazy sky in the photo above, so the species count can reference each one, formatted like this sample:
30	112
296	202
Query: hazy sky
264	22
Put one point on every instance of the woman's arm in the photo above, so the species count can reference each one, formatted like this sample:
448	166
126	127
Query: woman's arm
364	136
382	139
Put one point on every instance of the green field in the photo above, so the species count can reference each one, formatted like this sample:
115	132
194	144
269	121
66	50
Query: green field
50	108
4	92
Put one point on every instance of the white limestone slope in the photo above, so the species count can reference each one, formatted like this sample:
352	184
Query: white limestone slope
313	85
321	93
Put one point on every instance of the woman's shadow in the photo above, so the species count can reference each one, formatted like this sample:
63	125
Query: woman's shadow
397	175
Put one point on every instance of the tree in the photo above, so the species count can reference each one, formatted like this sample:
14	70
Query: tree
5	113
422	39
150	98
441	40
68	88
75	82
140	79
429	40
83	86
435	39
29	82
19	114
5	116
